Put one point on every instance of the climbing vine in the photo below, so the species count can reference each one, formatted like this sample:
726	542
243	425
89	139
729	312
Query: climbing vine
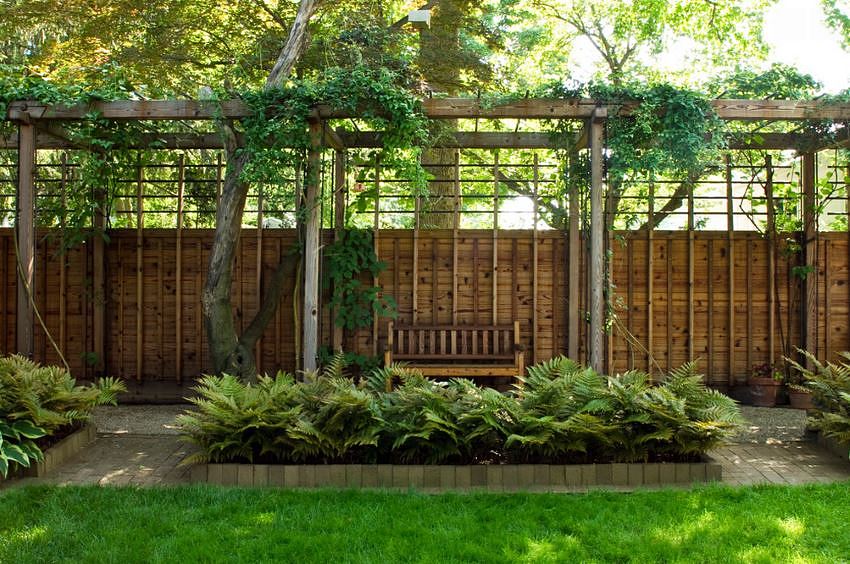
348	259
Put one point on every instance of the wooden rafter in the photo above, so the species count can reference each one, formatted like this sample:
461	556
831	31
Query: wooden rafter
435	108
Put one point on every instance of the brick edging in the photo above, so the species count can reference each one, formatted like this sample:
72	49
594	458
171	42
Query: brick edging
57	454
493	477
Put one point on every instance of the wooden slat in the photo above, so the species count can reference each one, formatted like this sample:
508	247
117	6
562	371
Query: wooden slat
375	237
63	258
731	329
827	310
771	260
710	332
495	269
691	281
535	250
669	301
178	269
730	261
650	278
455	228
140	220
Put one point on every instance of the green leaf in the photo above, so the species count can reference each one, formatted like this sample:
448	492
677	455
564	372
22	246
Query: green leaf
27	429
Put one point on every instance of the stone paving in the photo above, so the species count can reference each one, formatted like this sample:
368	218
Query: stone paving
142	448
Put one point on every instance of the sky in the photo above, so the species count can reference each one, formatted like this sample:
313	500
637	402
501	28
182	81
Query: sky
797	35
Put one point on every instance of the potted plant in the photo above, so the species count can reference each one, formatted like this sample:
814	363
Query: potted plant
765	384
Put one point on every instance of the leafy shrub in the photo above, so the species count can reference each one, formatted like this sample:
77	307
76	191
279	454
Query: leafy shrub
563	413
17	444
829	385
48	396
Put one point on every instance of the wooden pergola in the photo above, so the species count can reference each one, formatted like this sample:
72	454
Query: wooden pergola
40	127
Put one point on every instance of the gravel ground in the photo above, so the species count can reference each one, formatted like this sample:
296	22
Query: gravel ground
772	425
137	419
765	425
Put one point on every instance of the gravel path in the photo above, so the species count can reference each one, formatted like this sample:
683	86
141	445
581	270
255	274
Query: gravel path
765	425
772	425
138	419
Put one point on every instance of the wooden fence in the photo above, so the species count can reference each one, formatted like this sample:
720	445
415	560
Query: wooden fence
675	294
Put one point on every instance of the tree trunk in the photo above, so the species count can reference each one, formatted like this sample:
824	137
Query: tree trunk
438	51
231	353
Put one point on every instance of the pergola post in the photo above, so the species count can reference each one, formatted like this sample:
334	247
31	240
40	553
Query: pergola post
25	233
596	341
312	227
339	225
574	265
810	250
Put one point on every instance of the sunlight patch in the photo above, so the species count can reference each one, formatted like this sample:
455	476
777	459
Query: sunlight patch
792	526
29	534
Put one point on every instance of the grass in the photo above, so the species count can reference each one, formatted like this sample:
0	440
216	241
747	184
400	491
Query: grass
206	523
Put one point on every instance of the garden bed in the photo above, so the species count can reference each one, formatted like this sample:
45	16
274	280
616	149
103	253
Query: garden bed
492	477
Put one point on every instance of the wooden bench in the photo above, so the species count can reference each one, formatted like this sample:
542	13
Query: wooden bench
468	351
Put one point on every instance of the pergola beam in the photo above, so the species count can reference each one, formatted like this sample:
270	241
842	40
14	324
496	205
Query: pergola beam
435	108
52	139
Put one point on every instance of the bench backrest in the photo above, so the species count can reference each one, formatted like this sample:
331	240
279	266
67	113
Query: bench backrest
453	342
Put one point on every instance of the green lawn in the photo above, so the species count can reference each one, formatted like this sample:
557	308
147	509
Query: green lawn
189	524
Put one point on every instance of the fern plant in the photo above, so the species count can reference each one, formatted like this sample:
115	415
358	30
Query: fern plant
48	396
564	412
829	384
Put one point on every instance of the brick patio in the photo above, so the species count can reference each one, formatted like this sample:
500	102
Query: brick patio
127	456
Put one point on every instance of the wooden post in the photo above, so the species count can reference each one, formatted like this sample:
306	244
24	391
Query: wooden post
311	249
847	211
455	228
339	226
574	267
63	262
375	237
650	279
258	346
25	230
178	270
597	242
730	259
99	281
417	212
691	259
495	270
534	260
140	242
771	259
810	231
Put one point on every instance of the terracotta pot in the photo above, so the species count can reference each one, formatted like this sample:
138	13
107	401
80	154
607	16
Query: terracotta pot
800	399
764	391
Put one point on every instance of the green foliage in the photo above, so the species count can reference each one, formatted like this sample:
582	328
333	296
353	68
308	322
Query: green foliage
829	384
277	132
348	259
48	396
17	444
671	132
563	413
